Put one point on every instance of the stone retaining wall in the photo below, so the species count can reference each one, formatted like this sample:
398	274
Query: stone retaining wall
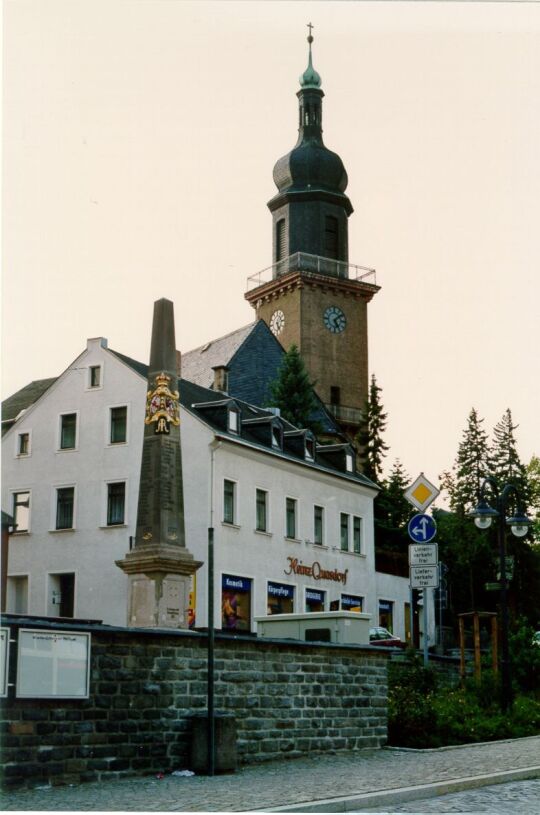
290	699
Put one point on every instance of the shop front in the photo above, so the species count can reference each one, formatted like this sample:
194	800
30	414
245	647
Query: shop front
236	598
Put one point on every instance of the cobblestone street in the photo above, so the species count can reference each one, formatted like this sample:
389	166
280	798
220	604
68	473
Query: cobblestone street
287	783
517	798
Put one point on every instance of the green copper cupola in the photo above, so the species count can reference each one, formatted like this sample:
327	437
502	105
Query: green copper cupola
310	210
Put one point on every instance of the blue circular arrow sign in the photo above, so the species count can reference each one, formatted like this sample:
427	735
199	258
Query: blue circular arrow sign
422	528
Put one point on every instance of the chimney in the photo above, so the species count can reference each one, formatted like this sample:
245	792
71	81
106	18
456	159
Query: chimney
221	378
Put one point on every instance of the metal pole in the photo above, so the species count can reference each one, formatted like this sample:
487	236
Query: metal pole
411	612
426	620
210	695
506	685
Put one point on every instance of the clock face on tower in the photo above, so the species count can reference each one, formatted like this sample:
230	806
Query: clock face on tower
334	319
277	321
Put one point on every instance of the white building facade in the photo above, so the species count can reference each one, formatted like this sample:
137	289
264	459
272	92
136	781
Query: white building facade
293	530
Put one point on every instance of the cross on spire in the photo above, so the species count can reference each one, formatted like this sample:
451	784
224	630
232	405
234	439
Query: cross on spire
310	37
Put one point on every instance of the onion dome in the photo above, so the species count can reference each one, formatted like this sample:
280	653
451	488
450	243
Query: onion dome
310	166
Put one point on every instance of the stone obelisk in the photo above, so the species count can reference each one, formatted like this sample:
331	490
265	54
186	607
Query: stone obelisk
159	565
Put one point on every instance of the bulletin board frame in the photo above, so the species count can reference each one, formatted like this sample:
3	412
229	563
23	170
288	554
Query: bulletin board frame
53	664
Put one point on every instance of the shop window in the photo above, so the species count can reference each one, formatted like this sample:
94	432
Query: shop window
68	431
386	615
318	525
23	444
61	600
21	511
235	603
65	505
229	490
116	503
17	595
315	600
357	535
280	598
94	376
290	512
118	433
261	508
350	602
344	532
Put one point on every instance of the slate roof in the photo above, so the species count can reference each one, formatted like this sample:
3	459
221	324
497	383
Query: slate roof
22	399
197	364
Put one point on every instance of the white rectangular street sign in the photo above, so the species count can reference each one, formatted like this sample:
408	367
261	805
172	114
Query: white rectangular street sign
423	554
424	577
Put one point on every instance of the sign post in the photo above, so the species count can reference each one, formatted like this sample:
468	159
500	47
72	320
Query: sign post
423	555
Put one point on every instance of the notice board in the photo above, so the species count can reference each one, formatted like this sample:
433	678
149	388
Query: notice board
53	664
4	660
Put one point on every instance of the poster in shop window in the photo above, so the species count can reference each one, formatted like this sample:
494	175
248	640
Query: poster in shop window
4	660
53	664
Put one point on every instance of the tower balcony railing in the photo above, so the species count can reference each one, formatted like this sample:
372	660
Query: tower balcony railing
345	414
316	264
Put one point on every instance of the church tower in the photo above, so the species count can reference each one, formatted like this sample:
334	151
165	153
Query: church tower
311	295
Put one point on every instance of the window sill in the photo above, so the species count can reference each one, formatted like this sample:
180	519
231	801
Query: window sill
23	455
317	545
346	552
67	450
116	443
263	532
61	531
112	526
292	540
21	534
229	525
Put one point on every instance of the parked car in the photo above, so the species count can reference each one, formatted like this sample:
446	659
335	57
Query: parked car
382	636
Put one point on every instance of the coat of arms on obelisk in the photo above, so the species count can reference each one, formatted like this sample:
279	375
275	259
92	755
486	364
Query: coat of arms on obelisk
162	405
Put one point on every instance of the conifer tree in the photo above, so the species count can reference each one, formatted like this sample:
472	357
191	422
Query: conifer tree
506	465
392	511
292	391
370	435
471	466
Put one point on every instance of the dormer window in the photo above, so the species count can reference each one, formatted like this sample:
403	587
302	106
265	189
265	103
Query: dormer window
233	421
277	437
310	449
349	462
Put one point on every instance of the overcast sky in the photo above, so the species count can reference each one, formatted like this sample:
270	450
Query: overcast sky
139	142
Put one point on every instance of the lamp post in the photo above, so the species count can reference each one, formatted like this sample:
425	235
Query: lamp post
483	515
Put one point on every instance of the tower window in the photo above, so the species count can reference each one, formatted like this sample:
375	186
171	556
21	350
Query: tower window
280	239
330	237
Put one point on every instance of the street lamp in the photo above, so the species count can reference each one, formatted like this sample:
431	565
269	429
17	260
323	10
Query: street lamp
483	515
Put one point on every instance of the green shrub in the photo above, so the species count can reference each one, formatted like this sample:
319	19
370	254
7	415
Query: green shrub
422	712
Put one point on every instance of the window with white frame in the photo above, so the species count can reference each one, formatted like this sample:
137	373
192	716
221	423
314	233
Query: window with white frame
344	531
94	376
229	501
65	508
116	503
290	517
21	511
349	462
23	444
318	525
68	431
261	511
233	421
357	535
277	436
118	425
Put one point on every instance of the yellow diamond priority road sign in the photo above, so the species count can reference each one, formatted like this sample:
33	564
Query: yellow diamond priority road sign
421	493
